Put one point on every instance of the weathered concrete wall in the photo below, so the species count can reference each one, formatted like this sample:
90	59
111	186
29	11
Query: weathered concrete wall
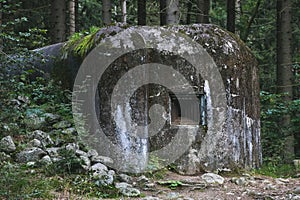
238	144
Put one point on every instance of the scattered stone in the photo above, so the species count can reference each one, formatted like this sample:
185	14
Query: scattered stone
297	197
102	175
62	125
142	180
46	160
53	151
212	178
281	181
86	163
127	190
150	198
35	143
92	153
7	144
34	119
51	118
30	154
79	152
241	181
69	131
125	178
270	187
43	137
173	195
102	159
72	147
30	164
297	190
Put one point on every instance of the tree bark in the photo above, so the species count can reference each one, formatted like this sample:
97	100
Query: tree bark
172	11
106	12
284	68
1	41
244	34
58	17
142	12
231	15
203	11
72	17
124	11
163	14
189	6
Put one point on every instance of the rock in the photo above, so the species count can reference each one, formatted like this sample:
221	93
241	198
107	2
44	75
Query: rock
53	151
125	178
62	125
72	147
34	119
35	143
241	181
191	164
43	137
142	180
150	198
270	187
297	190
92	153
127	190
297	197
69	131
102	175
173	195
79	152
102	159
7	144
281	181
86	163
30	164
46	160
212	178
30	154
51	118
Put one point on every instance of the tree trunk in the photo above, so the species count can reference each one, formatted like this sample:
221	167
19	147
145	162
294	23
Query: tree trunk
203	11
142	12
106	12
76	16
124	11
172	11
163	14
72	17
1	41
189	6
58	17
231	15
284	68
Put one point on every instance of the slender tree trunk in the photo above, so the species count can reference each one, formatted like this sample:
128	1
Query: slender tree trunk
172	11
76	16
245	33
284	68
72	17
189	6
106	12
231	15
124	11
58	17
163	10
142	12
1	41
203	11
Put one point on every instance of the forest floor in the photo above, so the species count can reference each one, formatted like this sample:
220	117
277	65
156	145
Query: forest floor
234	188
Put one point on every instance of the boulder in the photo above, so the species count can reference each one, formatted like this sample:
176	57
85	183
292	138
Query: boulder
7	144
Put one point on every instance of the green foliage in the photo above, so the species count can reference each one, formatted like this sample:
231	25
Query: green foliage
172	184
18	182
276	171
273	107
